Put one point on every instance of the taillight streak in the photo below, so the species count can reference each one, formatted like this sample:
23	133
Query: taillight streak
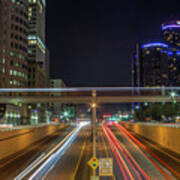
115	154
128	157
133	139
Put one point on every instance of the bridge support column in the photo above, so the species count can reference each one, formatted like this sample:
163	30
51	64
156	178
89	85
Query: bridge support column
24	115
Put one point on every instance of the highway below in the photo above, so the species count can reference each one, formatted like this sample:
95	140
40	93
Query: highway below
130	160
136	160
133	156
12	166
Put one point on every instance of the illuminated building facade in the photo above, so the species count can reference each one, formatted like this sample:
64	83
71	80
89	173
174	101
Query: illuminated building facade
56	108
13	43
171	33
156	64
36	32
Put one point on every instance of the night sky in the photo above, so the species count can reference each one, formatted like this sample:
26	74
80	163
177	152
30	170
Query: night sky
92	42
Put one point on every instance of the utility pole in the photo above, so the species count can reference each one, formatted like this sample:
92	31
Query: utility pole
94	105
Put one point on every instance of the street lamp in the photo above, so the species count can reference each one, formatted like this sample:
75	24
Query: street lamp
173	94
65	114
93	105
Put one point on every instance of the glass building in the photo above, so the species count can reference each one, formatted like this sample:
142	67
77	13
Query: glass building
13	43
36	34
171	33
155	64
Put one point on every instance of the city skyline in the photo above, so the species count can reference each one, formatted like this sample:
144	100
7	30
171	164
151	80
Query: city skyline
97	39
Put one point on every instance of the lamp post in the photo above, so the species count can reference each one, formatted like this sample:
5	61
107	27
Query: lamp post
93	106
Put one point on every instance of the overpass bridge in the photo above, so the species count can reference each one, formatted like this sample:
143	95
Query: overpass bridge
85	95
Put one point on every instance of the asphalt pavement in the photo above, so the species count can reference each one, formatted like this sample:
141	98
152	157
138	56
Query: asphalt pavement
133	157
12	166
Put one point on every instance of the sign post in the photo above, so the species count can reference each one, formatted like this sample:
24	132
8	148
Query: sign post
106	167
94	125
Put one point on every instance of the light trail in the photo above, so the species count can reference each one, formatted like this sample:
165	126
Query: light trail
120	157
75	89
57	150
149	151
129	136
126	167
55	156
27	170
115	154
128	157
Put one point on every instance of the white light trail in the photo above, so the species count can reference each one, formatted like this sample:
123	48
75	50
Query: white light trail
54	157
51	157
4	90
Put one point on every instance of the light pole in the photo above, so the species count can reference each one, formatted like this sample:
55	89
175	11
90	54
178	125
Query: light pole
94	105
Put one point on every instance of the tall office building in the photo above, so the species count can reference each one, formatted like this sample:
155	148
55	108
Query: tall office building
36	32
56	107
171	33
156	64
13	53
47	67
13	43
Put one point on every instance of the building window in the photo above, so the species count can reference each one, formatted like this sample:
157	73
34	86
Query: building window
3	60
3	70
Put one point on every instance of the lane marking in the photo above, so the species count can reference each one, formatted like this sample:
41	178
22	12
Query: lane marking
34	165
164	152
55	156
115	154
23	173
128	157
79	160
22	154
130	137
106	151
105	147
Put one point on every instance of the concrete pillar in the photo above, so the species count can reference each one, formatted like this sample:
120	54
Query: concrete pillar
25	119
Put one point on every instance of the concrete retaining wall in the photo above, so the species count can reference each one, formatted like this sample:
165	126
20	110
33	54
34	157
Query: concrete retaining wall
167	137
13	141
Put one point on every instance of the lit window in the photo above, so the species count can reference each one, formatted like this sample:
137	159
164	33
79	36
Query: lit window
3	60
11	53
3	70
11	72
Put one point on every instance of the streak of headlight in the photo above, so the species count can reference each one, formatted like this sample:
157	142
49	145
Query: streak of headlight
75	89
54	157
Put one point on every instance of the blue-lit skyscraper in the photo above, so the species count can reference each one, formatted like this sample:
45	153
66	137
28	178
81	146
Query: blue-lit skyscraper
155	64
171	33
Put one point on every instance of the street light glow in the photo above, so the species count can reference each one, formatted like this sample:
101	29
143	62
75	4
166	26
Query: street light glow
93	105
173	94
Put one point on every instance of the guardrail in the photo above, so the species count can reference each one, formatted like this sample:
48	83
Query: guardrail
174	125
25	127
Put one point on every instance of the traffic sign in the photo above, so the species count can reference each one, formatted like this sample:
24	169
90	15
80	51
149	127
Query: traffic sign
94	177
93	163
106	167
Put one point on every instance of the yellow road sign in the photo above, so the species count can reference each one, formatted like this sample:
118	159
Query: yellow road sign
94	177
106	167
93	163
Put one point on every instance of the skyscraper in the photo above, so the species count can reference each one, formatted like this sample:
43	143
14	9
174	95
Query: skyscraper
36	32
13	43
155	64
56	107
171	33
